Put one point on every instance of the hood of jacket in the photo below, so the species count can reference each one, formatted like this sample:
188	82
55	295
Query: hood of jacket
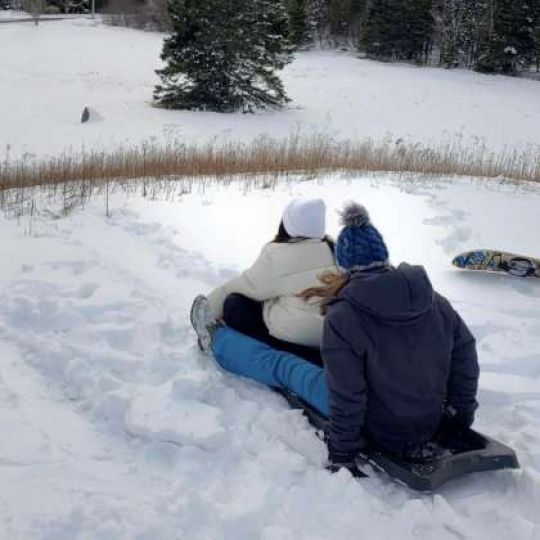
398	295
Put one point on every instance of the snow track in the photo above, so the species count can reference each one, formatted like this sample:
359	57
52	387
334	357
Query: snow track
115	427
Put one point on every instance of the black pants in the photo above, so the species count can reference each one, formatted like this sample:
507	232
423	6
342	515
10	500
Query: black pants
246	316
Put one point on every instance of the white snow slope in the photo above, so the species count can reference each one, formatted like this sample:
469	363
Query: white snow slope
50	72
113	426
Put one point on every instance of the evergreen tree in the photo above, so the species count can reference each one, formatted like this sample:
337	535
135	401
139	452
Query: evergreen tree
419	30
318	14
300	27
536	33
511	45
476	29
448	19
338	14
383	28
345	18
222	55
358	9
398	29
461	28
537	41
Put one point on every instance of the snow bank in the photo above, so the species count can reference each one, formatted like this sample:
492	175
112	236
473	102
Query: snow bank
114	426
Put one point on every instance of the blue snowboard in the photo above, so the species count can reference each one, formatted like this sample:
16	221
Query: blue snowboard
490	260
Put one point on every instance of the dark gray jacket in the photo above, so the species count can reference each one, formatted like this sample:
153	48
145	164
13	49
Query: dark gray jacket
395	354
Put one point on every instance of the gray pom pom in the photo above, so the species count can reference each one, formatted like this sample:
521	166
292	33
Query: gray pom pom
354	214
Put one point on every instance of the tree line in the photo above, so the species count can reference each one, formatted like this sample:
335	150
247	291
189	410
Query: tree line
485	35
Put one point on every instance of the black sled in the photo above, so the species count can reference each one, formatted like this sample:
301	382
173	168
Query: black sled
469	452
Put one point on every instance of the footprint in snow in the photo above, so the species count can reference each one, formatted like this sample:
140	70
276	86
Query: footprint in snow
455	239
157	415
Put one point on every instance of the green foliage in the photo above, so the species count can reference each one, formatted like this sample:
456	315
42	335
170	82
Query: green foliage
345	18
398	29
68	6
537	45
222	55
300	28
461	30
490	35
512	39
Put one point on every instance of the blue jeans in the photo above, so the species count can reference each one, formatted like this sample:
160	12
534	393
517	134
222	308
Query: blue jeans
249	358
246	316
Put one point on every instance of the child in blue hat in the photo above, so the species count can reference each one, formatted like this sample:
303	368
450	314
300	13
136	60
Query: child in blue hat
397	357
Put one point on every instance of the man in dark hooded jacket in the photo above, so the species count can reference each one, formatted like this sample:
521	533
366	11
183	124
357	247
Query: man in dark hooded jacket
398	358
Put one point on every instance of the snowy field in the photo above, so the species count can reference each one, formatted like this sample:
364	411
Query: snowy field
18	15
13	14
49	73
115	427
10	14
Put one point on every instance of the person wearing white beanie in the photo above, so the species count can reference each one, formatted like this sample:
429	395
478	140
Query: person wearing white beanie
305	218
263	302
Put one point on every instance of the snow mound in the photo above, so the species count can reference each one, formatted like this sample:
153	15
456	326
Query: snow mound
181	421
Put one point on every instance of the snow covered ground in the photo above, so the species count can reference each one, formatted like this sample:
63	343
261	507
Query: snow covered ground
49	73
13	14
115	427
18	15
9	14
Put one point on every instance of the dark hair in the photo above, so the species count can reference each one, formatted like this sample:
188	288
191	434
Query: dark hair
282	237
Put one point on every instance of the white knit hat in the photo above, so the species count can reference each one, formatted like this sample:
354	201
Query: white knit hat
305	218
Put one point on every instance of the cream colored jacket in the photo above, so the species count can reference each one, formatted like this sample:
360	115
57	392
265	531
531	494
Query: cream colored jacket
281	271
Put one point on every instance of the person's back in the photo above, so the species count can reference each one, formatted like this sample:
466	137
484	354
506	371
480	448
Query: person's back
291	267
411	352
266	293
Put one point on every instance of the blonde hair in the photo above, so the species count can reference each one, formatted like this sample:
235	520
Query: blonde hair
332	283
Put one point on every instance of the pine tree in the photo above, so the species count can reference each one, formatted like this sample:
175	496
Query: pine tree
419	20
383	28
358	10
318	14
511	45
461	27
398	29
537	41
222	55
475	30
345	18
448	18
536	33
300	27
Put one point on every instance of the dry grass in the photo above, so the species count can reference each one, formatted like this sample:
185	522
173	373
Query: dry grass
77	176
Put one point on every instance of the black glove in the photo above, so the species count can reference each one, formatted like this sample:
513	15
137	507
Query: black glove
421	453
351	467
344	461
455	420
453	432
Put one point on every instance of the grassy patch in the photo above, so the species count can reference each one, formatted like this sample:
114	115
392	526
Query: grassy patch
156	168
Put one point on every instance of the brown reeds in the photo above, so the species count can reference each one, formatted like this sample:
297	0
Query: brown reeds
150	163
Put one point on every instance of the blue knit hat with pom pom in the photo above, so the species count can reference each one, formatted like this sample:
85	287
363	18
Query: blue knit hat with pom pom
360	245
